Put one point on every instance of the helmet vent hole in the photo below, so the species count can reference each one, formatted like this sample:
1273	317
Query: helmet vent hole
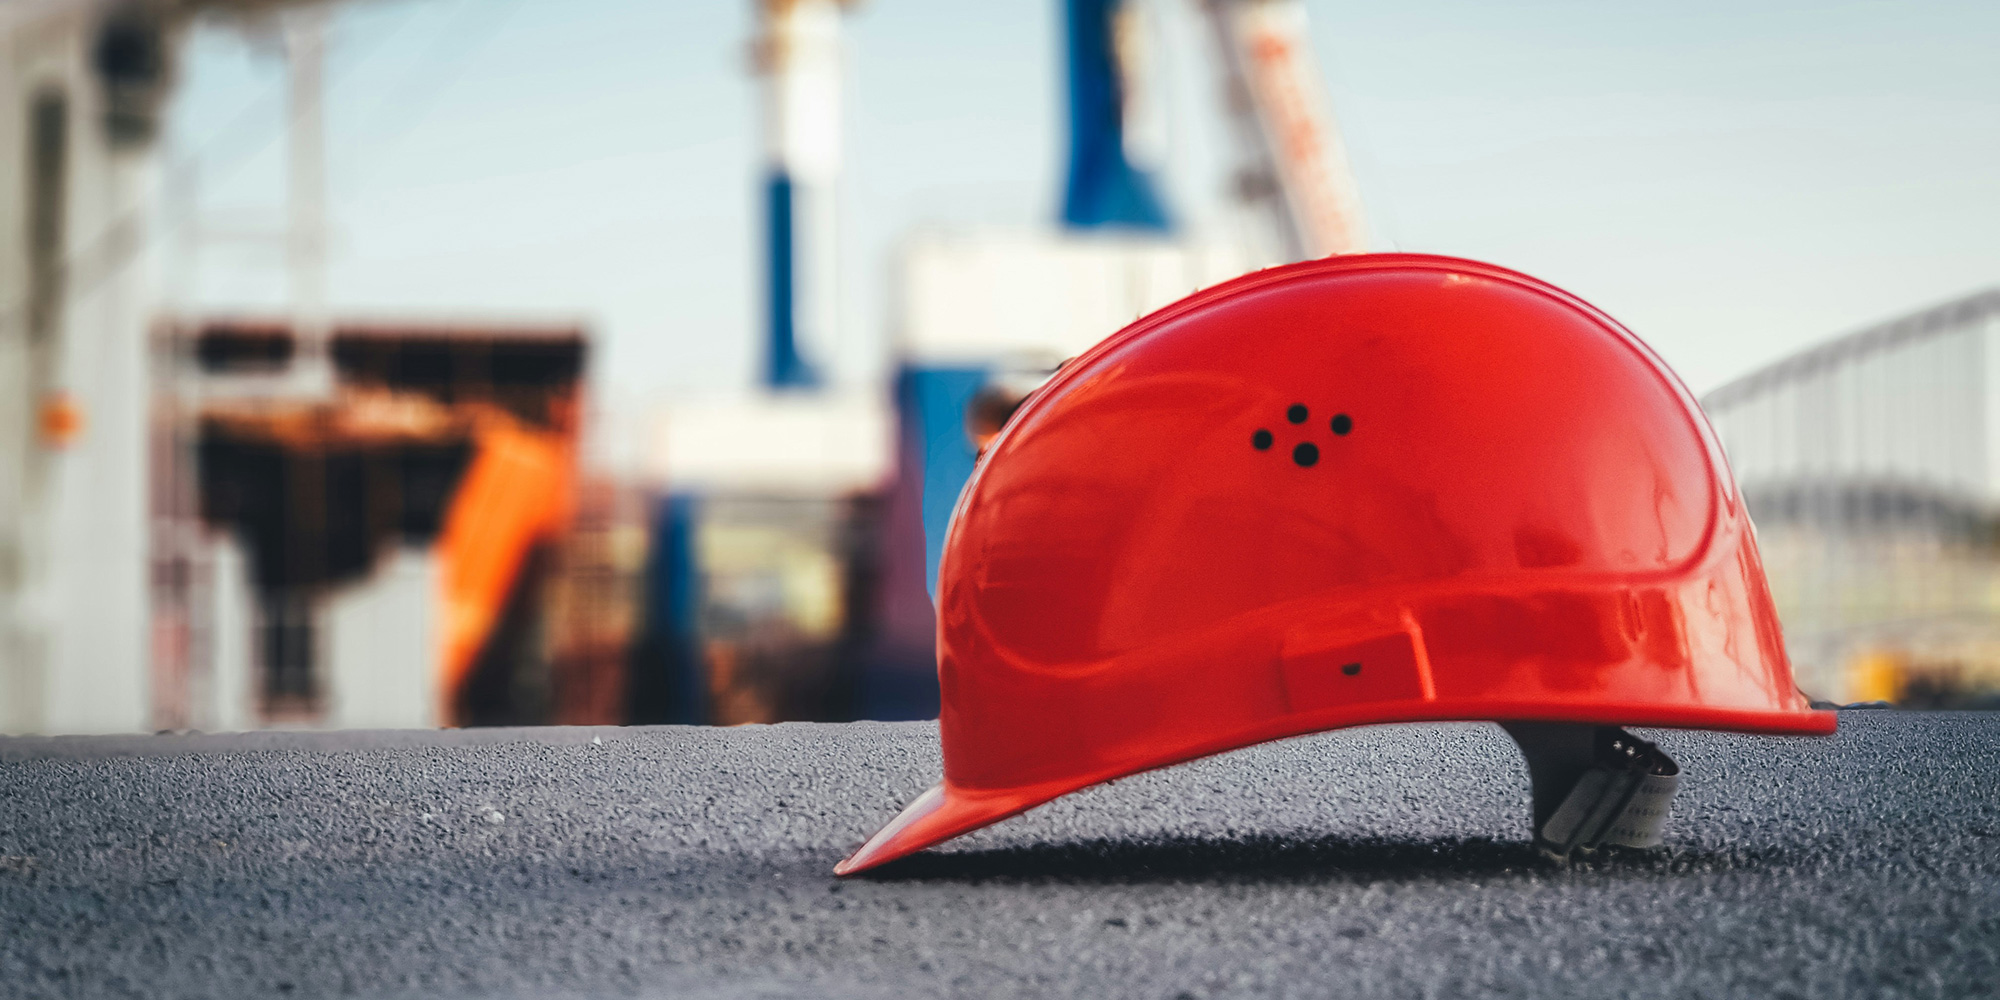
1261	440
1306	454
1297	414
1350	669
1342	423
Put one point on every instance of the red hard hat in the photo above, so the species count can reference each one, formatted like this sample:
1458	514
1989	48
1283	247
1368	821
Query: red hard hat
1374	488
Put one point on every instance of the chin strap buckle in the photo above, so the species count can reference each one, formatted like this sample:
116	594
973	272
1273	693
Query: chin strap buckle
1595	785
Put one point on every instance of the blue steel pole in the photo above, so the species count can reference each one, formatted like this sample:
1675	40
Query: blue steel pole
784	366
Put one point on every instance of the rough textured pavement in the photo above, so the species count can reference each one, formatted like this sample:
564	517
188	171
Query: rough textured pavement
695	862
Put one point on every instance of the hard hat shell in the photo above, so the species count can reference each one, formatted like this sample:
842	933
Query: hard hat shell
1365	489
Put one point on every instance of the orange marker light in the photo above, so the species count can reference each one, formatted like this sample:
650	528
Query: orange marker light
60	420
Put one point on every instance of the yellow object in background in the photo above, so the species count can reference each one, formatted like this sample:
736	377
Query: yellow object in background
1876	675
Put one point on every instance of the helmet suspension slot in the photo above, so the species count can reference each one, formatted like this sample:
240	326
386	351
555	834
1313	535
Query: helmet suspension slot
1594	785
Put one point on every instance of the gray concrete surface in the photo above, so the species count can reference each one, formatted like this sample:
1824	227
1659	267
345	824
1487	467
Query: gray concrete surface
695	862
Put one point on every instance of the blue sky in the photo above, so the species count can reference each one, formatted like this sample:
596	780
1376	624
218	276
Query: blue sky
1732	180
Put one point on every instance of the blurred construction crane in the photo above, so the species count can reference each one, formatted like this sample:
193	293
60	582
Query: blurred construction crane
1291	165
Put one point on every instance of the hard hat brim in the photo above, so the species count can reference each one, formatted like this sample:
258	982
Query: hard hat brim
945	811
939	814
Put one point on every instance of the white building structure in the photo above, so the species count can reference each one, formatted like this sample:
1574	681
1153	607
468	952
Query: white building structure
79	89
84	385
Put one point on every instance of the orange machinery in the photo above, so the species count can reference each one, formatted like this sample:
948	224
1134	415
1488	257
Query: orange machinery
518	493
463	437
